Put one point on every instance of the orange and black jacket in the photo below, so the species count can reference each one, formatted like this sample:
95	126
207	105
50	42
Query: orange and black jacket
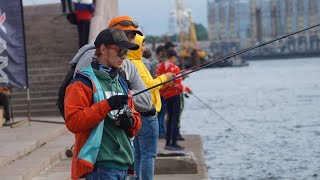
84	112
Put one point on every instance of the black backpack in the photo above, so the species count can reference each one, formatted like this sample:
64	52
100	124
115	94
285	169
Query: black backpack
62	89
72	18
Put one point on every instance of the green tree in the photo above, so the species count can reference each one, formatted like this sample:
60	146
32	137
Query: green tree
158	39
202	33
173	38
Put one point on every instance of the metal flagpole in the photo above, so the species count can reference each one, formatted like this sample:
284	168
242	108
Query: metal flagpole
29	119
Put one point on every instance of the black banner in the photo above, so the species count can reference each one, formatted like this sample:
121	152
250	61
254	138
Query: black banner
13	67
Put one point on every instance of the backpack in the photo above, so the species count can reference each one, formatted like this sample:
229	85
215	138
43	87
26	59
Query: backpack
62	89
67	80
72	18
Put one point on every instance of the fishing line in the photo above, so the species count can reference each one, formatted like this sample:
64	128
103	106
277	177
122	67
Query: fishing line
227	122
197	68
235	129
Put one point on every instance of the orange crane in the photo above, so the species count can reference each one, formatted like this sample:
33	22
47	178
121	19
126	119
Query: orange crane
186	32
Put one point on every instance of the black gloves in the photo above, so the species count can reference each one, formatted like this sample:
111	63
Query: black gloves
124	119
117	101
151	112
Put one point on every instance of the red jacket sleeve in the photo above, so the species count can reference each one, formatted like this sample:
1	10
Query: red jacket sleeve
80	112
165	67
137	120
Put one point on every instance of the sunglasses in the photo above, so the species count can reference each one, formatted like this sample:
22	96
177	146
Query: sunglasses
120	52
127	23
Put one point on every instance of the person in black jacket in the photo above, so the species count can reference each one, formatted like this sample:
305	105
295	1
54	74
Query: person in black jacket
64	4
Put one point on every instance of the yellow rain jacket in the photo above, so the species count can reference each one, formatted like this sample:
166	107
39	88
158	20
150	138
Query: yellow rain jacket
135	56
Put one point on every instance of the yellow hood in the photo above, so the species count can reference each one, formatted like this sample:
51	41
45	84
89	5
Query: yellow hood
136	58
136	54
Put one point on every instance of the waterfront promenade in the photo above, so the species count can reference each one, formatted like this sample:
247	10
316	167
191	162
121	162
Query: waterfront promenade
36	151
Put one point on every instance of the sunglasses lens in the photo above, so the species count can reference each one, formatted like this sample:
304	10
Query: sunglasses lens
122	52
128	23
135	24
125	23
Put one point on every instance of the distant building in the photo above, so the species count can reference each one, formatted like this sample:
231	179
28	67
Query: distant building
237	24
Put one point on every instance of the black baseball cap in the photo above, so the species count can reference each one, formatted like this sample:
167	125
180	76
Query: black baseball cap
171	52
114	36
168	45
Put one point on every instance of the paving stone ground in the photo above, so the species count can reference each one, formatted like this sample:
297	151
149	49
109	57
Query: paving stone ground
36	151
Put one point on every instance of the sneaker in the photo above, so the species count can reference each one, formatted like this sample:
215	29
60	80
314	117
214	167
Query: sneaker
180	138
177	146
169	148
174	148
7	123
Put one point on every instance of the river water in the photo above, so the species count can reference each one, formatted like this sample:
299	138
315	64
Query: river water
258	122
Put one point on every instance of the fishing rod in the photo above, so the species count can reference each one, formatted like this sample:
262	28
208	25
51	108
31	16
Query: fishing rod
209	62
198	66
227	57
201	65
194	67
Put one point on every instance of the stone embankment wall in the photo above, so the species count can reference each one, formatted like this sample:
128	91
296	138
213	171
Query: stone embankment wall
51	42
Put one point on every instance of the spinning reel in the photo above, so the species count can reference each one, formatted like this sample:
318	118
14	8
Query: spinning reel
124	119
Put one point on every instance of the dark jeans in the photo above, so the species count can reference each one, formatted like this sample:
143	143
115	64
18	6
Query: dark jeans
161	116
173	109
5	102
102	173
181	109
83	32
63	4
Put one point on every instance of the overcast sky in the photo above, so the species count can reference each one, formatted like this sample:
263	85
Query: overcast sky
153	15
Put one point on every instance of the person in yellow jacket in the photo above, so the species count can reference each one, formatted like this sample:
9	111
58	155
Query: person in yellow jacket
146	140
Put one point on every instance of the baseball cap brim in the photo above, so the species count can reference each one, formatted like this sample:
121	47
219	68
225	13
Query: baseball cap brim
128	28
169	45
127	45
136	31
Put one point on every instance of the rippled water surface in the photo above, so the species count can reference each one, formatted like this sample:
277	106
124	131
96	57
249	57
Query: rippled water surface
263	121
